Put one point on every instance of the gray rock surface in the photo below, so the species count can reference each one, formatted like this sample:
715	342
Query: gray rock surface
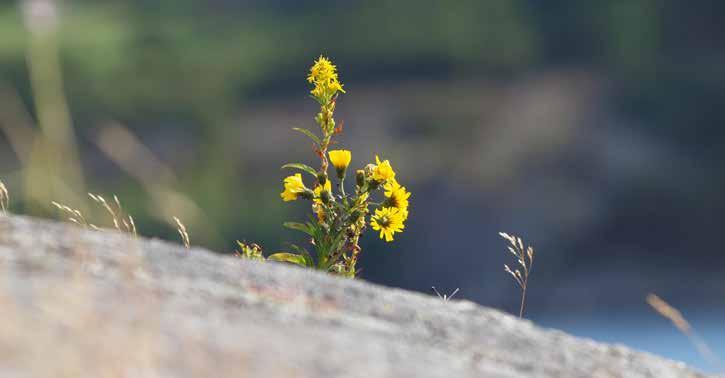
80	303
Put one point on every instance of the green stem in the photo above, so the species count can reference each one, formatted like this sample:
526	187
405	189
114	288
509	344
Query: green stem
342	186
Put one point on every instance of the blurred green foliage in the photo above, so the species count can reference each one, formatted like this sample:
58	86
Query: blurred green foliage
189	55
164	56
192	64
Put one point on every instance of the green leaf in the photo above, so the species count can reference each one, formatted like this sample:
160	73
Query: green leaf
338	240
308	259
300	227
288	257
298	249
303	252
309	133
302	167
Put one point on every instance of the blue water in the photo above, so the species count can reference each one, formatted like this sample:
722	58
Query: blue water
656	336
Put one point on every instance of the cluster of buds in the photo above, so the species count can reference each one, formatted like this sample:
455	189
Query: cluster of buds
249	251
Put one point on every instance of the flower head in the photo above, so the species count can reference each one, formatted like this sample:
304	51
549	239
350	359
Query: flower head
323	69
383	171
340	159
318	206
323	74
320	188
388	221
397	196
293	188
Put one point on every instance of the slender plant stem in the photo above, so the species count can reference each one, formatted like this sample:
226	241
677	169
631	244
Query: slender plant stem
523	302
342	186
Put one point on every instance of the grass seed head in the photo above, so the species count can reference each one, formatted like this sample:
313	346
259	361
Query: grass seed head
181	228
525	259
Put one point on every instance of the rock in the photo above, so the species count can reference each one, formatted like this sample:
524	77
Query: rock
76	302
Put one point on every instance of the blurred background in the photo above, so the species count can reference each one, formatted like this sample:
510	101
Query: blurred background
591	129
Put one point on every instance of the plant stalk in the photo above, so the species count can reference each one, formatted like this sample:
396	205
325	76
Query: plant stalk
523	302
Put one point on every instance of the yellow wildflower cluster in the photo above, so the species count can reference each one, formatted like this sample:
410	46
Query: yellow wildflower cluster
323	75
340	217
391	215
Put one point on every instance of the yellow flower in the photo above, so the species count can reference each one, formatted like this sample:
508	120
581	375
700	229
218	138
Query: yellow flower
323	74
397	196
318	207
293	188
321	70
383	171
388	221
340	159
404	214
318	190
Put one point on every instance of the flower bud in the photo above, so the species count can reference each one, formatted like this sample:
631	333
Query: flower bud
322	178
307	194
326	197
331	123
360	177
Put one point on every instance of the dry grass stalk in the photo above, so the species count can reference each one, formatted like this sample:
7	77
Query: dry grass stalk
525	258
678	320
444	297
121	221
181	228
4	198
75	216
